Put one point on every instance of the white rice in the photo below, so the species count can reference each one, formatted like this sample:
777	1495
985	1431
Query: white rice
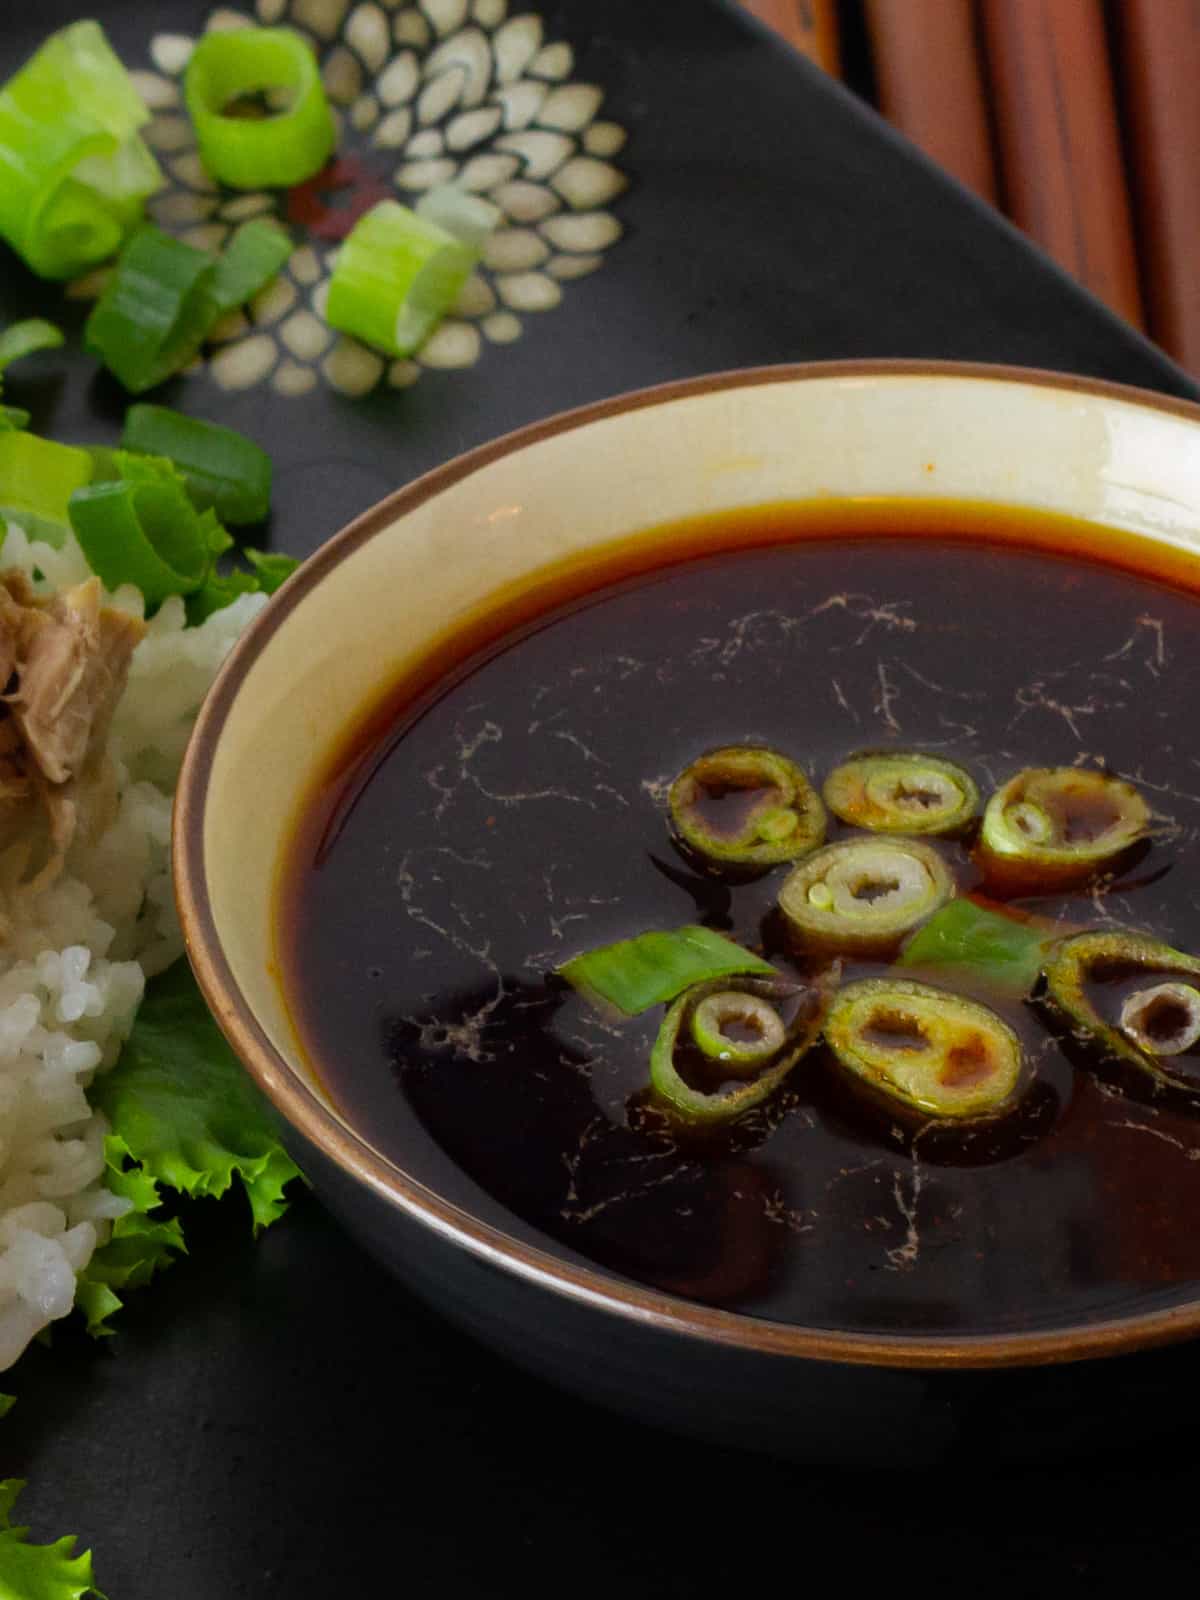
75	964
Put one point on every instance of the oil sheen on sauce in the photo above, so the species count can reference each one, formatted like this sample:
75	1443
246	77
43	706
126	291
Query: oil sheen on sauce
504	809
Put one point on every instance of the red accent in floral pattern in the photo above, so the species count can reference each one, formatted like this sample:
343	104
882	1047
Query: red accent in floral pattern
330	203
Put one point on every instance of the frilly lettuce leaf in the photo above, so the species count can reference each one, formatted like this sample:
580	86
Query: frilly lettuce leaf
39	1571
184	1116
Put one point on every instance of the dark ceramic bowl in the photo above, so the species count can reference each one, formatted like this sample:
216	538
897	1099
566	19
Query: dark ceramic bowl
462	540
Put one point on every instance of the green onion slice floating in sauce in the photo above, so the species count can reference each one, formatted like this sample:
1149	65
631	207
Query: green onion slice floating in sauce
742	806
37	479
635	974
864	895
74	172
145	532
922	1050
397	275
1128	994
223	469
1054	828
272	151
741	1035
23	338
970	940
892	792
155	309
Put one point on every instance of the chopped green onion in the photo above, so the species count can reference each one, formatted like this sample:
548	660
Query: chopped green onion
1005	949
746	807
785	1020
224	470
155	309
37	480
248	263
1053	828
145	532
924	1051
218	590
892	791
635	974
397	275
864	894
109	465
275	151
466	217
23	338
13	417
74	173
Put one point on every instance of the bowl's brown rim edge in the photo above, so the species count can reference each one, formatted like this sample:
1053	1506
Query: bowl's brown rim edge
300	1107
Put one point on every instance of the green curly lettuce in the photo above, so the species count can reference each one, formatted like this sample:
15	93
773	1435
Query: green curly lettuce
39	1571
183	1116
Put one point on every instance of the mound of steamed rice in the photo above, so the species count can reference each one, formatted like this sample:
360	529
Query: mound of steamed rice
75	957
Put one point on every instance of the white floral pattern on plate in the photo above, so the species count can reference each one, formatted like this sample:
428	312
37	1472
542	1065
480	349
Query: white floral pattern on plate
434	92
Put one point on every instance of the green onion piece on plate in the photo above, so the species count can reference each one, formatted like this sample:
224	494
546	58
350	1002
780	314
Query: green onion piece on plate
635	974
145	532
155	310
224	470
270	568
965	939
396	276
249	262
741	1036
13	417
287	144
37	480
74	172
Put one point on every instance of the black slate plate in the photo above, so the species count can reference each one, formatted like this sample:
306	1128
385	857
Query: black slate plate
280	1418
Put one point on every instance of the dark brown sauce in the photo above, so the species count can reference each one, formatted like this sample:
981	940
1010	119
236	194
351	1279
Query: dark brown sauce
504	808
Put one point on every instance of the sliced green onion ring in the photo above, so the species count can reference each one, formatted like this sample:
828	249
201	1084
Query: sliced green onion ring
145	532
1105	963
37	479
890	791
223	470
864	894
21	339
276	151
74	173
1053	828
155	309
924	1050
746	806
635	974
397	275
760	1071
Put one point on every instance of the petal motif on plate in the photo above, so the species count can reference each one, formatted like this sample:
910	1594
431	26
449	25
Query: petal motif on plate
292	379
524	201
410	27
168	133
476	298
520	102
171	52
604	139
514	250
571	108
305	335
368	33
502	328
486	172
528	291
554	62
394	130
585	183
540	152
156	92
403	374
447	16
473	127
397	83
351	368
189	169
242	365
322	17
342	76
515	44
427	143
440	94
452	344
565	267
470	51
273	302
584	231
419	175
489	13
364	113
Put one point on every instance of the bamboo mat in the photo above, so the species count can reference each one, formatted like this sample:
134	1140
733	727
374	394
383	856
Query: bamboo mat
1079	119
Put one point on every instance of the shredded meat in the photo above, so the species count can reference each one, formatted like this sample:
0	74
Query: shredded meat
63	662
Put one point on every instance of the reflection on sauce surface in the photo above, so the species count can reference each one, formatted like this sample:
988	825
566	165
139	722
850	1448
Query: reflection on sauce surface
470	839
